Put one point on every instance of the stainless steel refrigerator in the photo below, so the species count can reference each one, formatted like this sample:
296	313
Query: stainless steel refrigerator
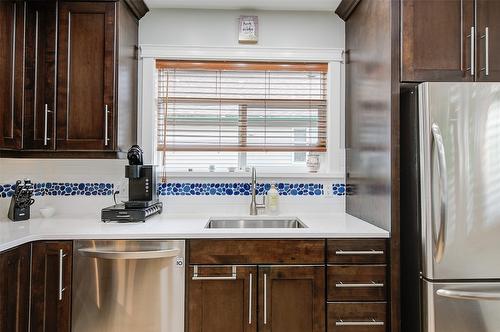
450	207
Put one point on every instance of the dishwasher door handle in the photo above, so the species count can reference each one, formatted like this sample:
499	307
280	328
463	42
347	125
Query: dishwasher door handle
147	254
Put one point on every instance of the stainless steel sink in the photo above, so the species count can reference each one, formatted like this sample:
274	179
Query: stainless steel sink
256	222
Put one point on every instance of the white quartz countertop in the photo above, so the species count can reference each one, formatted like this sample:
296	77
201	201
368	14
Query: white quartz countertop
333	225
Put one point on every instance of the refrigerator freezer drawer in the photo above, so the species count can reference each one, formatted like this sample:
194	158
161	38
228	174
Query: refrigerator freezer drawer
461	307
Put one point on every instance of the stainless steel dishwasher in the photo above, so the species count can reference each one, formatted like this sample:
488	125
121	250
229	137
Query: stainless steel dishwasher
122	286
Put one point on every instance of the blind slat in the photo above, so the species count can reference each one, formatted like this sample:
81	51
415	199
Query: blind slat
214	106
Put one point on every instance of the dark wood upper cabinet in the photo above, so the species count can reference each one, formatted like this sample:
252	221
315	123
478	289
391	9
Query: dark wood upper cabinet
216	305
488	40
436	42
14	289
40	75
69	78
86	76
51	286
292	299
11	73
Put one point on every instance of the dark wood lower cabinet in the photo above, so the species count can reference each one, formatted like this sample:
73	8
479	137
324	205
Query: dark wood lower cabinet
14	289
292	299
357	283
357	317
51	286
264	298
219	302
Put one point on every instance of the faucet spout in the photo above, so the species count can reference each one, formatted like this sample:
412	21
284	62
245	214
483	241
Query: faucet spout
254	206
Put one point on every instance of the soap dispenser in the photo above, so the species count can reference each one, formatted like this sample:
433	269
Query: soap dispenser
273	199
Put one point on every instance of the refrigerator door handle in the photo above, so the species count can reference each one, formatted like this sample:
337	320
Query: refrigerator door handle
440	242
468	295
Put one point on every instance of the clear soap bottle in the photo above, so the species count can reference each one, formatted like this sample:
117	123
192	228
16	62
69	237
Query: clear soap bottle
272	200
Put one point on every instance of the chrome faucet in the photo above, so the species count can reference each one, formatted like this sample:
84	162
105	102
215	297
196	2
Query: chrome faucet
254	206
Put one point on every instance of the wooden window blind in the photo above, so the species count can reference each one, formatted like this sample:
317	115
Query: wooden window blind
233	106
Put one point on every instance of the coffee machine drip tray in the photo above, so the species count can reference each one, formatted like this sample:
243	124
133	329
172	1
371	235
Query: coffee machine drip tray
140	204
122	214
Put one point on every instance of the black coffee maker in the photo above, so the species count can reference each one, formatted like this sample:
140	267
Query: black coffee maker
142	191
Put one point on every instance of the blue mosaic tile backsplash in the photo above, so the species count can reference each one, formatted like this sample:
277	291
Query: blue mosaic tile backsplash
180	189
238	189
63	189
338	189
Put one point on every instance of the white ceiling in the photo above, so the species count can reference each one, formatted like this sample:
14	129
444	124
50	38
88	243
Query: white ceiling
304	5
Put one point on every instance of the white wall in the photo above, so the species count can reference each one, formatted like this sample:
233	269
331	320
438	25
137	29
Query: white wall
188	27
184	27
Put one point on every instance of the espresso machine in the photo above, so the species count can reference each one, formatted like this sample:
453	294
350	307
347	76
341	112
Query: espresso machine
142	194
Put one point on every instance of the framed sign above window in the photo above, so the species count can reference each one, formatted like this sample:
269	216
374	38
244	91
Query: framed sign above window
248	29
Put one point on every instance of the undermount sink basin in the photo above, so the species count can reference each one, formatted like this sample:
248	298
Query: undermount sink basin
256	222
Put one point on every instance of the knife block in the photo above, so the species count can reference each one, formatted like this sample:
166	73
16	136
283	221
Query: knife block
17	213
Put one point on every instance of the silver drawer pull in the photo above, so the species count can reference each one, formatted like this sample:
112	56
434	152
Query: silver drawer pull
231	277
373	284
359	252
250	300
61	287
106	113
372	322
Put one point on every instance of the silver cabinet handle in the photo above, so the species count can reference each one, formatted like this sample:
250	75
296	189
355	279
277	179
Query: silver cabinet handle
106	113
486	37
110	254
45	128
359	252
35	83
231	277
440	242
265	299
372	284
13	63
468	295
61	288
372	322
472	50
250	300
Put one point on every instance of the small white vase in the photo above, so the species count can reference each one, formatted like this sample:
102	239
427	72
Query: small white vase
313	162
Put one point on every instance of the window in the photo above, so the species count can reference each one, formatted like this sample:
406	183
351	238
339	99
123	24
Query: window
234	115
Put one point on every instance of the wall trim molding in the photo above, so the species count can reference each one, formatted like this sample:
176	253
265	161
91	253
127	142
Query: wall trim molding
241	53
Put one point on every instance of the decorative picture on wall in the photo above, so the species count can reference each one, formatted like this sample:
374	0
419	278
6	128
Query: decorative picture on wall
248	29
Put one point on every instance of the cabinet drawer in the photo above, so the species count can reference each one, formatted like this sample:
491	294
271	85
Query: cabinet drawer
364	251
257	252
357	317
356	282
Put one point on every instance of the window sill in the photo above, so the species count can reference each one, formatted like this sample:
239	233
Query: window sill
246	175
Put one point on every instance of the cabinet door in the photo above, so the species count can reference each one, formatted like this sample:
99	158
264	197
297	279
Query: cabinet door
11	73
14	289
40	71
292	299
86	76
219	301
488	40
436	43
51	286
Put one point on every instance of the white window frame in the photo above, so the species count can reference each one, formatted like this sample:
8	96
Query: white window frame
146	130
